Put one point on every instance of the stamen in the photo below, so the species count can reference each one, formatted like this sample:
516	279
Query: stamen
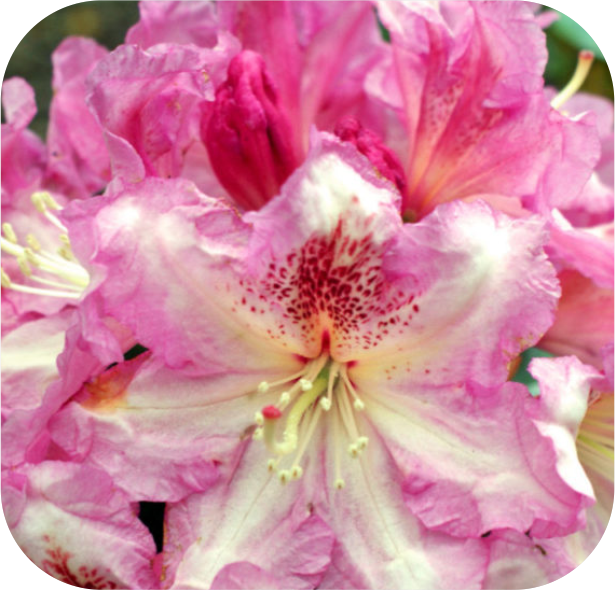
284	475
358	402
339	484
584	64
33	242
305	384
263	387
272	465
284	400
6	280
258	434
259	419
24	267
7	228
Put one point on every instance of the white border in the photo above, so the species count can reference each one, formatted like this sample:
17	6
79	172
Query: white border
595	16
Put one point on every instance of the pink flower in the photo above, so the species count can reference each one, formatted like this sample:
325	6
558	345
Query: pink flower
366	357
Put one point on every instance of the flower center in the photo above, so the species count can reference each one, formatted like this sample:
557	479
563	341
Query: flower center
322	387
59	271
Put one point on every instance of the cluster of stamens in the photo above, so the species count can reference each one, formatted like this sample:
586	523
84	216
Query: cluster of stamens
322	387
595	437
59	272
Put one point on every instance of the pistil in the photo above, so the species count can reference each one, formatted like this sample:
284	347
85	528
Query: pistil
584	64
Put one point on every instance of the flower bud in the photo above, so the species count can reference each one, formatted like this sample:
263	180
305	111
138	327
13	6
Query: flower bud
248	136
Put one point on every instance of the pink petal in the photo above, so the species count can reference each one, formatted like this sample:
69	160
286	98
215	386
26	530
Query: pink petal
79	162
482	291
471	79
258	521
584	319
77	528
156	118
172	22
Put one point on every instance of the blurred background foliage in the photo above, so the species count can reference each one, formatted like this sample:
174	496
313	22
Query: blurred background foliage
107	21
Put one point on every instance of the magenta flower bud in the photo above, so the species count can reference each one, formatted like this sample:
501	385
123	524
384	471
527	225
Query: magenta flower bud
248	135
371	145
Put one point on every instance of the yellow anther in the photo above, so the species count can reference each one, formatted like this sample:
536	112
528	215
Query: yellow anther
9	232
51	202
284	400
64	238
31	256
305	384
272	465
358	404
259	418
353	450
325	403
339	484
284	476
296	472
38	200
33	242
24	267
263	387
362	442
6	281
258	434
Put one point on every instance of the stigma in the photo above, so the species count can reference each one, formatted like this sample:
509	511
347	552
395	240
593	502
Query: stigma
50	272
584	64
321	391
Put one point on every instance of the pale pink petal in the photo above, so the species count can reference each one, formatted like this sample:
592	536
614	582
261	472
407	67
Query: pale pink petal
175	22
257	520
79	162
476	459
584	320
595	203
518	561
587	250
76	527
478	290
160	434
380	543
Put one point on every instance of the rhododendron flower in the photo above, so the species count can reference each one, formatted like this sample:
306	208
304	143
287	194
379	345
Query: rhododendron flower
358	374
277	273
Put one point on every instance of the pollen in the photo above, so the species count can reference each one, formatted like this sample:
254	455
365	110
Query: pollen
320	395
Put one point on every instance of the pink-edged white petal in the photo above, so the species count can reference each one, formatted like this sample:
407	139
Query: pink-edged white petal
74	525
476	459
479	290
161	434
249	523
380	543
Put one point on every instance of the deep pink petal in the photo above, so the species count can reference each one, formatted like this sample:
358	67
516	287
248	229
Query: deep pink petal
478	121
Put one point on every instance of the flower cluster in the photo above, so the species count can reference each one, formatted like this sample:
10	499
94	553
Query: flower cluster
273	270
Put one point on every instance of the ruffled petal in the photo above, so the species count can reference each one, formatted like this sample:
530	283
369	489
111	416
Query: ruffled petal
149	103
477	459
478	290
478	121
380	543
79	162
76	527
261	527
160	434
